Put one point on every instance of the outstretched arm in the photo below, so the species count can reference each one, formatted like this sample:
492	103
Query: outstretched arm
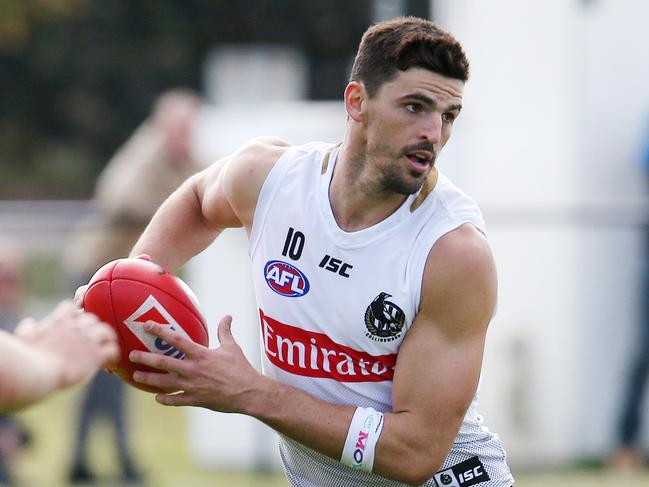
67	347
435	379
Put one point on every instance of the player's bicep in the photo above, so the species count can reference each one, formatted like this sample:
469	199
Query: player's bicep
436	378
439	362
434	382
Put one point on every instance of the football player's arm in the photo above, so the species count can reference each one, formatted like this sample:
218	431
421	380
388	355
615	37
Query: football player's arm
223	195
25	375
439	362
435	379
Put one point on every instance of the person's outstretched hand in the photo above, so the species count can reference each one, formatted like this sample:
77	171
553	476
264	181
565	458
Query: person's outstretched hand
71	342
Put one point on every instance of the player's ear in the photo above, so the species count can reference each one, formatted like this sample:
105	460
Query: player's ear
355	96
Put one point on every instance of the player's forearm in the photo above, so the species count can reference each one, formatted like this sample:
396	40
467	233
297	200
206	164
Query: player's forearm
323	427
177	231
425	446
317	424
25	375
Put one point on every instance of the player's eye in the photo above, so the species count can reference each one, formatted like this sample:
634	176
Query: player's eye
414	107
448	117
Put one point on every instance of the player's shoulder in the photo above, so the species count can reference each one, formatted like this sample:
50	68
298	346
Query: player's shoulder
259	156
249	166
269	149
464	249
231	185
261	151
250	163
460	263
460	283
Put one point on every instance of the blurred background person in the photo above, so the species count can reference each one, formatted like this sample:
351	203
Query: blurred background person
629	454
145	170
13	437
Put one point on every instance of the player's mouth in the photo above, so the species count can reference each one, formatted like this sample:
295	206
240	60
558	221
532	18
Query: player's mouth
420	160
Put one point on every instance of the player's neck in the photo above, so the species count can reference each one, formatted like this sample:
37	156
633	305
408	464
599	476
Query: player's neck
356	202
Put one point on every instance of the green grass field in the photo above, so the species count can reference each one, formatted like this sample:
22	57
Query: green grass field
167	464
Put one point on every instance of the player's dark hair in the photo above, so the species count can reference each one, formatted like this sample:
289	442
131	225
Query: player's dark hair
406	42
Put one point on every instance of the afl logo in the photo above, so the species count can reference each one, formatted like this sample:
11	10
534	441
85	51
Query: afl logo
384	320
286	279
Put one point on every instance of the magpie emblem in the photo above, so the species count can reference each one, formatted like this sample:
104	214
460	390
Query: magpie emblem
384	320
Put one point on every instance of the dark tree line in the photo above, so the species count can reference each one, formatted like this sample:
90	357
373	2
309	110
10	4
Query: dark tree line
77	76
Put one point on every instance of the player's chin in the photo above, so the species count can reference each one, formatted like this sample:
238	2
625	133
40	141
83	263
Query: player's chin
410	184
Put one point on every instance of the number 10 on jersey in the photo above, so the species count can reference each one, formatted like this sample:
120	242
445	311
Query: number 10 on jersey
294	244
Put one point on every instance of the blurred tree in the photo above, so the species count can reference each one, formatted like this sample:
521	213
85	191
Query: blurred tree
77	76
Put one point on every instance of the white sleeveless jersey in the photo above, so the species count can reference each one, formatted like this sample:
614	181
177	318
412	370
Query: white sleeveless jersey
334	307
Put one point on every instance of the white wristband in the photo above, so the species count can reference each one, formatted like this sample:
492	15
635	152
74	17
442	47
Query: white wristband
364	432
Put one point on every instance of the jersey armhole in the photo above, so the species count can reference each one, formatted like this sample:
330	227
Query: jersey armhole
268	190
421	250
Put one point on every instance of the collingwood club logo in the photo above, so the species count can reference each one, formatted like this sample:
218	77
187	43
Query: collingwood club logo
383	319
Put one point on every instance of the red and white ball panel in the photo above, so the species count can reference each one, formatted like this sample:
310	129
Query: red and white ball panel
127	293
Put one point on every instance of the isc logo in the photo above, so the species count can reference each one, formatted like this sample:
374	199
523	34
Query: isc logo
286	279
465	474
474	473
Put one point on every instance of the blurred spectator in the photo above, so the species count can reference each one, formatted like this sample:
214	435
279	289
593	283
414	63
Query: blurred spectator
150	165
12	265
629	455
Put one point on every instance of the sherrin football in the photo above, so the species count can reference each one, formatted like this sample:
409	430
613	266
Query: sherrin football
127	293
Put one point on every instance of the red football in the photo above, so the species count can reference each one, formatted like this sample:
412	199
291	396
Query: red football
127	293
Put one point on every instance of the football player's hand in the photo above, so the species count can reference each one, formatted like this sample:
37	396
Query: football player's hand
72	344
219	379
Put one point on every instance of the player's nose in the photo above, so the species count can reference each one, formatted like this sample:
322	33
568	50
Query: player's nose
431	129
